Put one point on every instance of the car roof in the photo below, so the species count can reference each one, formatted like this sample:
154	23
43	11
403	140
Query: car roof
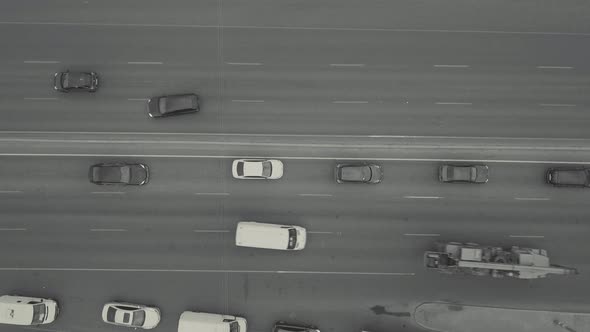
177	103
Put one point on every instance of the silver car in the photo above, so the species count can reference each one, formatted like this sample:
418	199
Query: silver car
463	173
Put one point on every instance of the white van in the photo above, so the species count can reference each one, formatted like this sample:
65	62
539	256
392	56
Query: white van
21	310
270	236
203	322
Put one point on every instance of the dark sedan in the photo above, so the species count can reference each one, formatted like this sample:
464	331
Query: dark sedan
463	173
286	327
173	105
569	177
119	173
358	173
75	81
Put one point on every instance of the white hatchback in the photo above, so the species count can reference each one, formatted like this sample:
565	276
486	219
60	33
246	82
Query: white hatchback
131	315
270	169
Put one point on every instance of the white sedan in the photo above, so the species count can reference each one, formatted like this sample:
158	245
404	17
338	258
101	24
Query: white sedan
131	315
271	169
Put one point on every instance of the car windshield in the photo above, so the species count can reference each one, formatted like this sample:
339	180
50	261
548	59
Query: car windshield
234	327
266	168
111	314
39	313
138	318
292	238
240	168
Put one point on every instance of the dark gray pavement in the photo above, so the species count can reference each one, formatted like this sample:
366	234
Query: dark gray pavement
406	84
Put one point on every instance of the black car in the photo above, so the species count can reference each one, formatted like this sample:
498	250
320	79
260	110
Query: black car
358	173
568	177
75	81
463	173
173	105
119	173
286	327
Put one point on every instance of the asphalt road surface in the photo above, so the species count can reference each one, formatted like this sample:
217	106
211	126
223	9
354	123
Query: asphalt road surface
406	84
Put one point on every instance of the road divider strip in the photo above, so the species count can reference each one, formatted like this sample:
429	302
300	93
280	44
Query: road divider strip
527	236
40	61
13	229
81	269
108	230
423	197
532	198
145	63
422	234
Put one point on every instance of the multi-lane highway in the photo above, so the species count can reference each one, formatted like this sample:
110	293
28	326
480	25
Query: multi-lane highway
406	84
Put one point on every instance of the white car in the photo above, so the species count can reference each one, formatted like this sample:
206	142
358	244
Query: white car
131	315
271	169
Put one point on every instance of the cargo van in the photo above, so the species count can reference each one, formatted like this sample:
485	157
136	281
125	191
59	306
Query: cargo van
21	310
270	236
203	322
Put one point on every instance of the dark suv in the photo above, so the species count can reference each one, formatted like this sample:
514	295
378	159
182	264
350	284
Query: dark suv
286	327
119	173
568	177
67	81
173	105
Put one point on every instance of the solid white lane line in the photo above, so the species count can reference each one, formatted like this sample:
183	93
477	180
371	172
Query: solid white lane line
108	192
554	67
41	61
421	234
350	102
183	156
452	103
13	229
347	65
244	63
527	236
247	101
557	105
315	195
39	98
288	135
211	231
451	66
282	27
108	230
138	99
10	192
212	194
423	197
73	269
145	63
532	198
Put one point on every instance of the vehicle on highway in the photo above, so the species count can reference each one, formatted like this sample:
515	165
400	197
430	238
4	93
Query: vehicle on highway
497	262
119	174
270	169
204	322
131	315
23	310
287	327
569	177
358	173
270	236
164	106
67	81
463	173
